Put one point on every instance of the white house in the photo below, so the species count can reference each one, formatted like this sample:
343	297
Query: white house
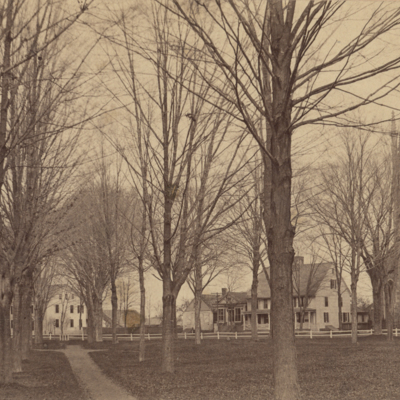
65	310
319	284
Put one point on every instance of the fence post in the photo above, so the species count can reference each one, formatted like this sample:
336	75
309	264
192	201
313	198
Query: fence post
371	331
396	332
83	338
236	335
201	334
50	336
131	337
310	334
218	335
148	336
330	334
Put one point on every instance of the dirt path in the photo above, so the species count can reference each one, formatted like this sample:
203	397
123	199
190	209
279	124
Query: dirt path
93	381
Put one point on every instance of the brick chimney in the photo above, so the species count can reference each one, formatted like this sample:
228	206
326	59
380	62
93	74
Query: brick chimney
224	291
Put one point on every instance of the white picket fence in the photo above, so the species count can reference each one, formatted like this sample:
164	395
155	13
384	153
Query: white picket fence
223	335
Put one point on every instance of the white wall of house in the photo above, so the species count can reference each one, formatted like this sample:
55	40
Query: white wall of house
326	304
70	303
323	316
206	320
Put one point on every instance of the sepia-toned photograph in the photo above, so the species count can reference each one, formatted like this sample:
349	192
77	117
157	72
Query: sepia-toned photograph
199	200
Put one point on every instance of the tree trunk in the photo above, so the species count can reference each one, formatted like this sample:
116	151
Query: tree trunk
169	304
354	322
197	302
90	322
378	306
98	320
340	308
389	309
26	331
114	307
254	301
142	343
17	334
38	327
280	231
5	332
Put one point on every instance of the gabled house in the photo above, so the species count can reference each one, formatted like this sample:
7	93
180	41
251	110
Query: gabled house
217	310
315	296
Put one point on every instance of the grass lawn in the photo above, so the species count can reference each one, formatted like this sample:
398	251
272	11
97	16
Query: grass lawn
241	369
46	376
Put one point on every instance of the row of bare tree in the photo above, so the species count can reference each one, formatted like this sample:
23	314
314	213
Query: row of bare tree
210	95
200	76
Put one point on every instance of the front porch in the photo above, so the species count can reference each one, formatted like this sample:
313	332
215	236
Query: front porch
264	318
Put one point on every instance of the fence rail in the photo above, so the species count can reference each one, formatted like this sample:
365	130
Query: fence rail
220	335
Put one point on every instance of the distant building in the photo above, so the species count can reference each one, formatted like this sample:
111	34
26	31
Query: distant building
219	309
65	308
319	283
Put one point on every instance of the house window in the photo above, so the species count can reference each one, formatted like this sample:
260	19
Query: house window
326	317
266	318
220	315
33	325
71	309
294	302
72	296
333	271
57	323
301	301
60	296
57	308
346	317
66	296
298	317
238	314
12	324
326	302
333	284
266	303
231	315
71	323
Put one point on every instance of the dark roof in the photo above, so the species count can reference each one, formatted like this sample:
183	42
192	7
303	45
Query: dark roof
209	301
307	274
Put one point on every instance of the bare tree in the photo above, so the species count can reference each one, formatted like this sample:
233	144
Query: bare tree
31	92
345	203
338	252
180	133
249	233
126	297
212	260
43	291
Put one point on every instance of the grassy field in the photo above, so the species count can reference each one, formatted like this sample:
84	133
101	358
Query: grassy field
46	376
241	369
